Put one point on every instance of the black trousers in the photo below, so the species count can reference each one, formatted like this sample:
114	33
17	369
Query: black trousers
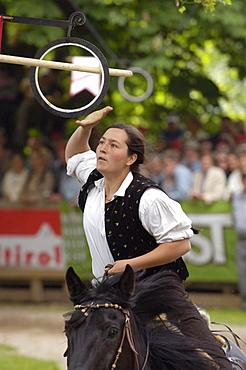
193	325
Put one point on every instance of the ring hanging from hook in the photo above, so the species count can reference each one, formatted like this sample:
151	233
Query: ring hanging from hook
140	98
88	107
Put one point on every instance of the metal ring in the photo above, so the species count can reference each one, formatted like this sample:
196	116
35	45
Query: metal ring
148	92
70	113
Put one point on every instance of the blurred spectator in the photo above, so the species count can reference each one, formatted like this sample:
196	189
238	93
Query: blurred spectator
177	179
66	187
239	215
29	114
50	87
225	137
40	181
154	168
35	142
56	141
25	110
221	160
194	129
173	136
5	157
223	146
240	135
234	182
233	162
206	146
191	155
209	184
14	178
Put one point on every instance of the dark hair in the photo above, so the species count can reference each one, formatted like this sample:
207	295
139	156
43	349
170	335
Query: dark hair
135	142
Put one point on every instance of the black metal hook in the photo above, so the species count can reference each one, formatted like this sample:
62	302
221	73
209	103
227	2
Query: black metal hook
75	19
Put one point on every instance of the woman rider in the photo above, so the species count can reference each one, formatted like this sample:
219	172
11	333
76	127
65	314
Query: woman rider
127	218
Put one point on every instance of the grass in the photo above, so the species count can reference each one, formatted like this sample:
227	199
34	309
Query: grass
228	316
11	360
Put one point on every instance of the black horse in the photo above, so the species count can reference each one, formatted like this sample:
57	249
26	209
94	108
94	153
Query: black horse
119	324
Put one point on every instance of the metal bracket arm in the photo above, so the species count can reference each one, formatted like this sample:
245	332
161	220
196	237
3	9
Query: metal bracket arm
75	19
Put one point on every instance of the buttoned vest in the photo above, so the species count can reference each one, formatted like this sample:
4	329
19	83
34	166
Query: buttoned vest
126	236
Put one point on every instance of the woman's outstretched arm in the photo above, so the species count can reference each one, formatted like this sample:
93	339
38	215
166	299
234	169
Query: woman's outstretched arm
78	142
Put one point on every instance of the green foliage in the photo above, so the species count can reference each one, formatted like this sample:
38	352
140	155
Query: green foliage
10	360
29	34
189	77
209	5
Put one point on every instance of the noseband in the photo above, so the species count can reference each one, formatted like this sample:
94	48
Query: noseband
127	330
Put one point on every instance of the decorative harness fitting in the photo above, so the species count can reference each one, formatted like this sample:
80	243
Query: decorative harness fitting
127	330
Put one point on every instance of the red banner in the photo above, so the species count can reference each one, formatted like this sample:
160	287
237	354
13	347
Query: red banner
31	238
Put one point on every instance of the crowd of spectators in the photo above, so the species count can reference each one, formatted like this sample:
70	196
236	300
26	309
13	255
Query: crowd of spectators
187	163
37	173
191	165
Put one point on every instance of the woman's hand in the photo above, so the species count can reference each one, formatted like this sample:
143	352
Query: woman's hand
117	266
94	118
79	141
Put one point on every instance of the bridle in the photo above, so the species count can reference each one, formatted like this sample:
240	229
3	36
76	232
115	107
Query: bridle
127	330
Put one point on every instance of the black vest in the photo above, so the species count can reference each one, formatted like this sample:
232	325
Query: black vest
126	236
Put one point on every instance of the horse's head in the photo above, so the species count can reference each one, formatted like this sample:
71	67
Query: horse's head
100	329
115	325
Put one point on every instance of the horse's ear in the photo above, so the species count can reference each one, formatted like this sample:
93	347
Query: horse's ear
127	281
76	287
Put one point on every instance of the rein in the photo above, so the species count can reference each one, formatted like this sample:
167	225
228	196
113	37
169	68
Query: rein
127	330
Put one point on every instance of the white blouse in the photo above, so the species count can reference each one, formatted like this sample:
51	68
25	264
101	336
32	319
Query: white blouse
154	206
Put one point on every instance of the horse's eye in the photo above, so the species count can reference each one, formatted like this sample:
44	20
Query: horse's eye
113	332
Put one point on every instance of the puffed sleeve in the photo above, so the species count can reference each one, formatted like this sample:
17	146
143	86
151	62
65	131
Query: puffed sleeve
163	217
81	165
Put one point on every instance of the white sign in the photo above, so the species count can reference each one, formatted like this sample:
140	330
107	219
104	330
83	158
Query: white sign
209	250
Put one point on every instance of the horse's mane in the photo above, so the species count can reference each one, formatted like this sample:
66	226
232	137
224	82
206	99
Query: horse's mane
154	295
161	293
